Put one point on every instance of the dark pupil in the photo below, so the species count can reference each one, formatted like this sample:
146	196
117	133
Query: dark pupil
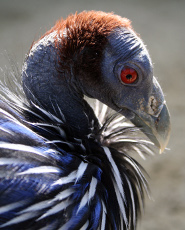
129	76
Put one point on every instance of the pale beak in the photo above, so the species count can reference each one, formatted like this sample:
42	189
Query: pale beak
156	128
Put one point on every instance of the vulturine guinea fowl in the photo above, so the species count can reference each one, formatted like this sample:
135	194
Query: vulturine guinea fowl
61	167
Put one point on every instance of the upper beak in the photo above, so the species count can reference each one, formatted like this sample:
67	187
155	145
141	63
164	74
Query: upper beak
157	128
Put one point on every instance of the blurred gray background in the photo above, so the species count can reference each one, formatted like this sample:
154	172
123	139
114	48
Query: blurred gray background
161	25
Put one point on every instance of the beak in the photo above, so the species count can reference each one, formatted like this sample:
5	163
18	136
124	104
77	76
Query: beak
156	128
150	114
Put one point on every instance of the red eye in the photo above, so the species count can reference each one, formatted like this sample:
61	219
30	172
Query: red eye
128	75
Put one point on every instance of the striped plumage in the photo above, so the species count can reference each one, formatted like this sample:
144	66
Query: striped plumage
53	177
64	182
58	175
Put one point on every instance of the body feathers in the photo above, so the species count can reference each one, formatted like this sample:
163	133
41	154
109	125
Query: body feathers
52	180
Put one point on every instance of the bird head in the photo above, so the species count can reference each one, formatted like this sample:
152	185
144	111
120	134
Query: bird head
98	55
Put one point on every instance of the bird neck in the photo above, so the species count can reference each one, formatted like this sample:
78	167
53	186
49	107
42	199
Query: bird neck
76	111
57	92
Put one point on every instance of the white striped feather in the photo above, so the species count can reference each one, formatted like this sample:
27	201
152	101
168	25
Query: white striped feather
67	179
92	188
7	114
50	151
121	222
61	113
104	212
117	184
83	147
119	122
97	108
38	206
15	120
81	170
12	206
49	204
133	201
44	126
19	219
148	150
11	161
140	174
115	171
6	130
49	115
84	201
62	142
142	143
40	170
89	194
139	152
116	123
64	194
69	223
21	147
84	227
102	114
120	203
32	112
56	209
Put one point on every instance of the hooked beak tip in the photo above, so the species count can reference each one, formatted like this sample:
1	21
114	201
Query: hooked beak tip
157	129
161	129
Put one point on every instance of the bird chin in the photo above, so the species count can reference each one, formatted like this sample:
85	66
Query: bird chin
157	129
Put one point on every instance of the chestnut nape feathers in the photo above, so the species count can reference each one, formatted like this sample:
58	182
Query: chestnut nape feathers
65	165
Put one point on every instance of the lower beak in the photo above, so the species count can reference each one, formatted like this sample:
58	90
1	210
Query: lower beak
157	129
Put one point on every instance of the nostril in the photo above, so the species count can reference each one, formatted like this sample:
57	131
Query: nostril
152	106
157	120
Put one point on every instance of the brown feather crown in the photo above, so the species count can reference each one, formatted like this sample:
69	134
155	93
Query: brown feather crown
81	38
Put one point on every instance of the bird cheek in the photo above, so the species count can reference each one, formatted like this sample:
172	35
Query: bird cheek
126	103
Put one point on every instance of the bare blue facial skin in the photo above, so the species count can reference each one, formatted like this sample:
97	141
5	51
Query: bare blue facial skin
125	49
143	101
